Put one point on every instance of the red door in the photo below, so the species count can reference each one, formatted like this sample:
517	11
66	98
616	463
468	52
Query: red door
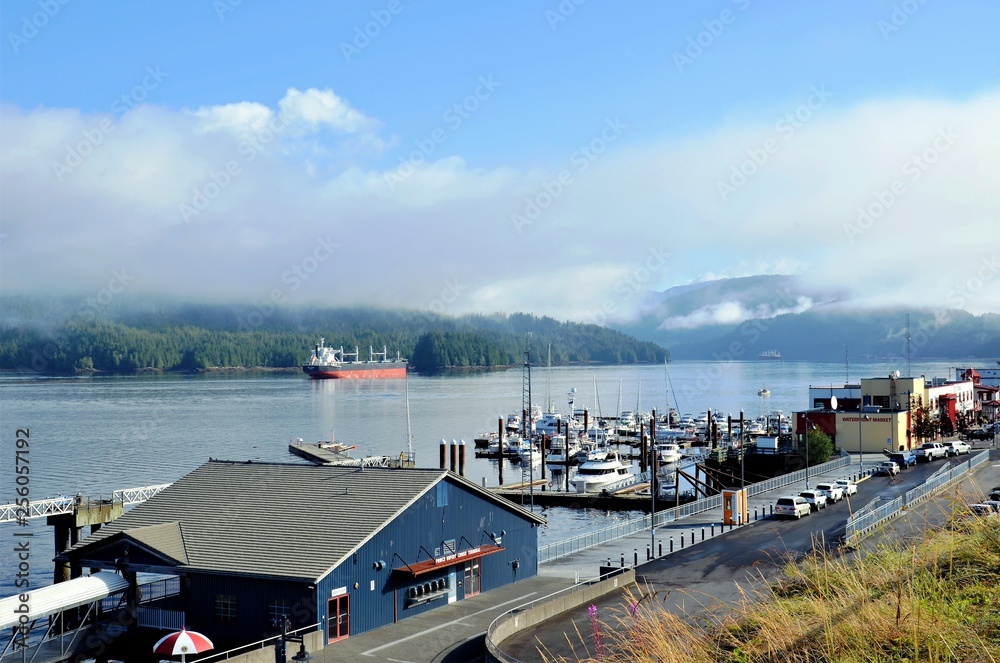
339	622
473	578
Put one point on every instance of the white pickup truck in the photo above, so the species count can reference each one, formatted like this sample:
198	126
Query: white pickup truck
931	451
957	447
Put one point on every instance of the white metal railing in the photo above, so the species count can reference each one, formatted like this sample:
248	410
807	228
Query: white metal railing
161	618
13	512
557	549
260	644
54	506
873	515
136	495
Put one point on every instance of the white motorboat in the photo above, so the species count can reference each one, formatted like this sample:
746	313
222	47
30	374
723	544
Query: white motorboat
669	452
595	475
529	454
562	451
511	444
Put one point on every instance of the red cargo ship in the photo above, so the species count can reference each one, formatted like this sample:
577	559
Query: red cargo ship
328	363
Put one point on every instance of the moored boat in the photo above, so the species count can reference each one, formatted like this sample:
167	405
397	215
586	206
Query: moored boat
593	476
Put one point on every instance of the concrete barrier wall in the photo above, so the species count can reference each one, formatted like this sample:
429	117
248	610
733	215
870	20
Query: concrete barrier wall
518	619
314	642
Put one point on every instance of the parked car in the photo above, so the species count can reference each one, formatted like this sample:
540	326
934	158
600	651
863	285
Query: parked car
887	468
833	492
792	506
989	508
979	434
850	488
930	451
957	447
816	499
904	459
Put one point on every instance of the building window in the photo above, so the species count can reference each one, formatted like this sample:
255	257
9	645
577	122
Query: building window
442	494
225	609
277	610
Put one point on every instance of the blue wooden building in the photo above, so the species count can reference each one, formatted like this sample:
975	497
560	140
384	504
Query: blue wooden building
344	548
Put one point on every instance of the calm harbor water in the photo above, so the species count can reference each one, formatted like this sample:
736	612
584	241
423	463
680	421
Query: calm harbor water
96	434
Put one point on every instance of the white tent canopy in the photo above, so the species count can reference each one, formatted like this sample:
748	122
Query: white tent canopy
61	596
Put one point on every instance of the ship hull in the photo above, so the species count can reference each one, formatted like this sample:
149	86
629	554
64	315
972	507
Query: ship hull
380	370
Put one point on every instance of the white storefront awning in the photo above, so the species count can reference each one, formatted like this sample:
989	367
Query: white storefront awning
61	596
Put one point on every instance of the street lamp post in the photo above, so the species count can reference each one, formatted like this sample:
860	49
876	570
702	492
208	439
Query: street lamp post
806	438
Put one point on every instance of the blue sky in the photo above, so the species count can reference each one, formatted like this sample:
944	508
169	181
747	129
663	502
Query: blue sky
371	147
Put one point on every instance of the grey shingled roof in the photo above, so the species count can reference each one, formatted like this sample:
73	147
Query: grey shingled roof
276	519
166	538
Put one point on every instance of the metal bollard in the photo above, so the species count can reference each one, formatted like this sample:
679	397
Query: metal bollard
635	556
772	508
682	542
713	530
692	537
702	533
623	560
671	543
649	553
661	548
755	513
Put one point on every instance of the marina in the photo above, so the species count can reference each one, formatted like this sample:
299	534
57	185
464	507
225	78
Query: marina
151	429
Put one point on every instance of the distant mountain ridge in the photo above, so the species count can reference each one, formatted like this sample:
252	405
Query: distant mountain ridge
753	314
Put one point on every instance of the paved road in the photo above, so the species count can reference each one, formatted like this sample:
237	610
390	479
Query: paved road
710	574
700	575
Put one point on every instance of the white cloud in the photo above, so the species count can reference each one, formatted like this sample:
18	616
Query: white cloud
450	220
314	108
731	313
243	119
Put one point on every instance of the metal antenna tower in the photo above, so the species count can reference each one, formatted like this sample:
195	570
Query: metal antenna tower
526	389
526	392
908	371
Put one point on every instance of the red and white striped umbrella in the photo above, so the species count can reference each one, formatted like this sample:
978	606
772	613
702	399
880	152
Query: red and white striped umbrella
182	642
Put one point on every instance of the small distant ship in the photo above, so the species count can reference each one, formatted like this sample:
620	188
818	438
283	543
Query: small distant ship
327	363
770	355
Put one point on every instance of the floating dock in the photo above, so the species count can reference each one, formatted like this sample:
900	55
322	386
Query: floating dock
323	453
623	500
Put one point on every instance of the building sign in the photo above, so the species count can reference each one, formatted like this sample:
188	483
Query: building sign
454	556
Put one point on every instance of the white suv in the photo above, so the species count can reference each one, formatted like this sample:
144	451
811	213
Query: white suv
850	488
834	493
793	506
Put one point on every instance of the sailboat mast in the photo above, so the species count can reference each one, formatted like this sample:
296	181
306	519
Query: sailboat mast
409	435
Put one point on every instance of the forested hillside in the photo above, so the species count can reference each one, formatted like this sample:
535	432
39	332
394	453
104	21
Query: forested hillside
183	338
